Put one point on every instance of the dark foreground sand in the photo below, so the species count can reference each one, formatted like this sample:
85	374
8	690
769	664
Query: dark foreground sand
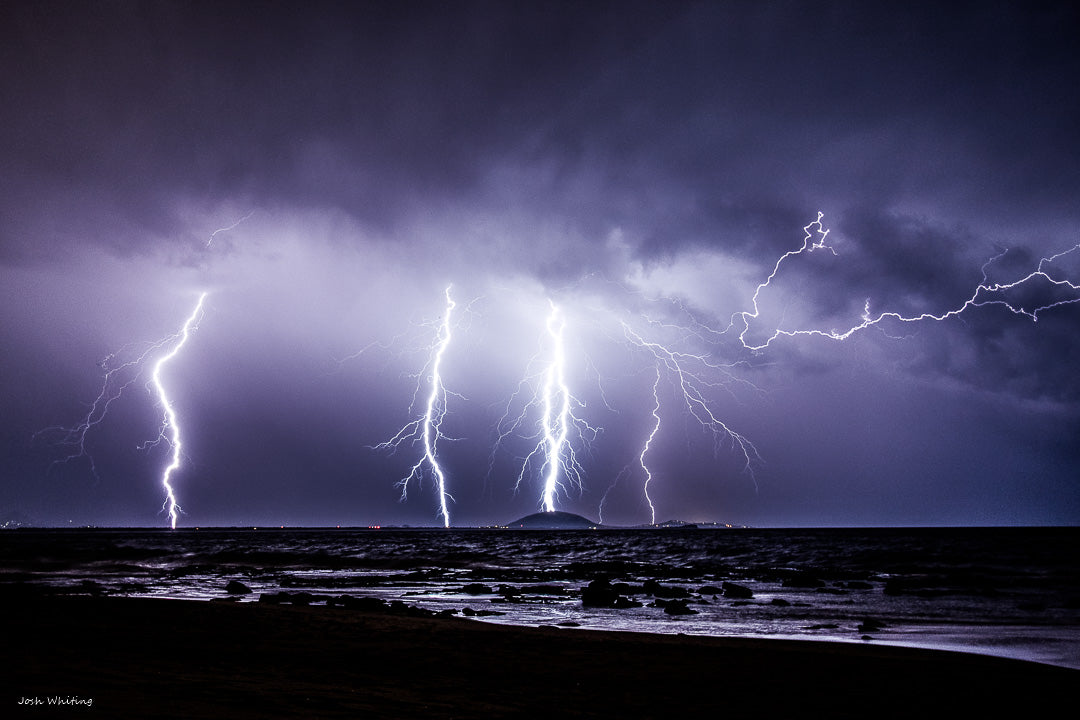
144	658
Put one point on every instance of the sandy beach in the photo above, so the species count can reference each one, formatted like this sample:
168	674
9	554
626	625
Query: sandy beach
140	658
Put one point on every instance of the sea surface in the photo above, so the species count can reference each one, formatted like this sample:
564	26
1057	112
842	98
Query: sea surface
1011	592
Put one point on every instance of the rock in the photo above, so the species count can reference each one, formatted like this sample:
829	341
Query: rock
780	602
679	607
870	625
622	603
235	587
598	593
655	589
476	589
731	590
710	590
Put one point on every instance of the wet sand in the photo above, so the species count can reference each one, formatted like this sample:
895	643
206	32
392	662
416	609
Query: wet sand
146	658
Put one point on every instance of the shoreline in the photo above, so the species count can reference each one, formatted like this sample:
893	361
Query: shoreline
143	657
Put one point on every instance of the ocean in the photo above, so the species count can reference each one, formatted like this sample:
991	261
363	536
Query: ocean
1013	592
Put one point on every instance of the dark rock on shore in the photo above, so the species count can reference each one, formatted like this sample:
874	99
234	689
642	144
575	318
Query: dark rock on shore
235	587
678	607
740	592
476	589
600	593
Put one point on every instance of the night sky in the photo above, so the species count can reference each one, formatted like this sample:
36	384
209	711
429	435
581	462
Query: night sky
643	166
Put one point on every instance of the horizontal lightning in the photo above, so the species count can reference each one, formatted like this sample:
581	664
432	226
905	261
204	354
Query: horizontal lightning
985	294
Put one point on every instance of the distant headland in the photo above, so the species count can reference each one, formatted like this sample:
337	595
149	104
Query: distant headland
559	520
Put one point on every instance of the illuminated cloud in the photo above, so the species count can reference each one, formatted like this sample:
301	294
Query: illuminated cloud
323	170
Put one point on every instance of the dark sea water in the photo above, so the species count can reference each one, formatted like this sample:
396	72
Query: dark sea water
1004	591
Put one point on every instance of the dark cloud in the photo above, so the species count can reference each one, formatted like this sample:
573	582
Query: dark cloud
636	163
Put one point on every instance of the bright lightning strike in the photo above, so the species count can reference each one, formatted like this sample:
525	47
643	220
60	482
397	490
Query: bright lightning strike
986	293
118	377
560	429
427	428
556	419
170	428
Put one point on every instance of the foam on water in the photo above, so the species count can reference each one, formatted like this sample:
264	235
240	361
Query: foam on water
1009	592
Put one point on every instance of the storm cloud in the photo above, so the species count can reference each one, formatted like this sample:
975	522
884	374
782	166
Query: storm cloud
639	163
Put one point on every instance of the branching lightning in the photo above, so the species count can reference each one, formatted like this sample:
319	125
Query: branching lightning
986	293
692	376
560	430
427	427
118	377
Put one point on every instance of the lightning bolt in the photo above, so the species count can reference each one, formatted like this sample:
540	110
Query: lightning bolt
556	418
985	294
170	427
648	444
227	229
118	377
427	428
559	427
693	377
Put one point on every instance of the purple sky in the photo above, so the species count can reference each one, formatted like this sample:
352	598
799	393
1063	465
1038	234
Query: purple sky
637	163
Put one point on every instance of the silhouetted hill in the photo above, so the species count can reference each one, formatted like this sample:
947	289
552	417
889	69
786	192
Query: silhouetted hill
556	520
